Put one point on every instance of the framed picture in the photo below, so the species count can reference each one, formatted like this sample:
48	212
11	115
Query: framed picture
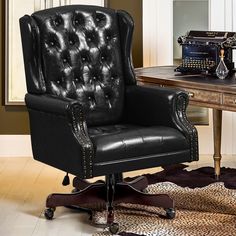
15	85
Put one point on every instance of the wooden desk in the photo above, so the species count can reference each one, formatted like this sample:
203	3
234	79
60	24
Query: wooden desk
204	90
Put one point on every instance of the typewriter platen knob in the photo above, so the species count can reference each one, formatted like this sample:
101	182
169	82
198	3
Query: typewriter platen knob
181	40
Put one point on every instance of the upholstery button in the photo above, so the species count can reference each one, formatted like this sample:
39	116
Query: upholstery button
79	19
100	19
58	21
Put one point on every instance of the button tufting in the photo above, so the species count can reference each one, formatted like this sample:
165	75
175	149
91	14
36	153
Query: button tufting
58	21
100	19
92	36
109	35
78	19
84	56
87	59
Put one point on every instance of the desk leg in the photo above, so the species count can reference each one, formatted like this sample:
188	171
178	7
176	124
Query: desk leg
217	127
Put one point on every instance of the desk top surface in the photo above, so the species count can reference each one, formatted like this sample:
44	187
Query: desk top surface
167	75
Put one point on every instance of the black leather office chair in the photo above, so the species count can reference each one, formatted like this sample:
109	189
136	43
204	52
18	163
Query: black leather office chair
88	116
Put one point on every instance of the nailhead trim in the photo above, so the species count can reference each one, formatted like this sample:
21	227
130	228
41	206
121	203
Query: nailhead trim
190	130
87	146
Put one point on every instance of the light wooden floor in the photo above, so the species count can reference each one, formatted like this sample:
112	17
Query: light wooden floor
24	186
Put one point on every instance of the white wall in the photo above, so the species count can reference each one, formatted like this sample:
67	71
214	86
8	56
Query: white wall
157	32
158	50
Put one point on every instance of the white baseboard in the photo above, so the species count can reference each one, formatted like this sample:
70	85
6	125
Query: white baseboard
15	146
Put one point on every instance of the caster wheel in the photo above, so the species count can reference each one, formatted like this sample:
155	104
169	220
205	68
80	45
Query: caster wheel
49	213
113	228
170	213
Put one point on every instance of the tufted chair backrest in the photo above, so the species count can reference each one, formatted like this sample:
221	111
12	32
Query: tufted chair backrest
83	53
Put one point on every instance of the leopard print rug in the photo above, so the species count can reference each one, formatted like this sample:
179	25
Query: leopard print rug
209	210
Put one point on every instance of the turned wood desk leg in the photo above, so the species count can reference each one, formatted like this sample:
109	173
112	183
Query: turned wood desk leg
217	127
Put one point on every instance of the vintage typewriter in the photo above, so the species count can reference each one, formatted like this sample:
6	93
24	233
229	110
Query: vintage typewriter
201	50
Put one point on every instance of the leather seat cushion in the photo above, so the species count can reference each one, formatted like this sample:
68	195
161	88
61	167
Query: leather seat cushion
124	141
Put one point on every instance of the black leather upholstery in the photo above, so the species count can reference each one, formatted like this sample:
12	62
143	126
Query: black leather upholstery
87	115
126	141
81	57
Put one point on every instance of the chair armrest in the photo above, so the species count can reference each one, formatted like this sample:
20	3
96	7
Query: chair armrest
50	104
63	119
152	106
